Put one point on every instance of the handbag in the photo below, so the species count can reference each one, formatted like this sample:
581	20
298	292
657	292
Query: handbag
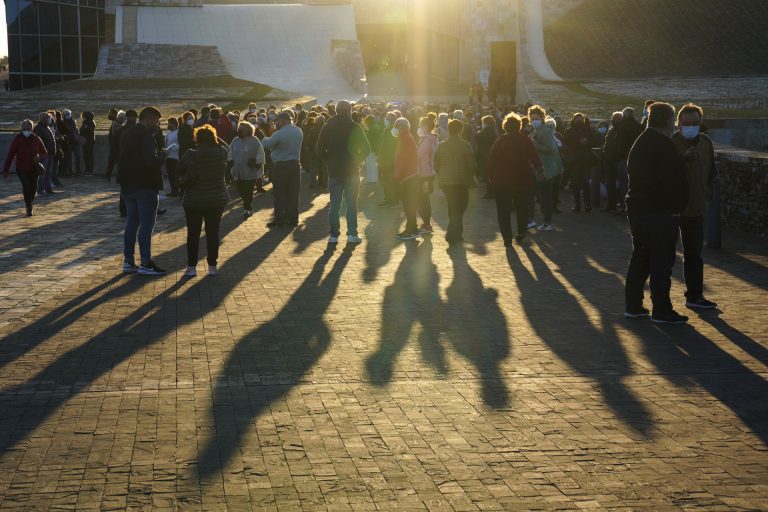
40	169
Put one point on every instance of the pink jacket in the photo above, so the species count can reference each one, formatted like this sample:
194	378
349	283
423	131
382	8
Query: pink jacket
426	155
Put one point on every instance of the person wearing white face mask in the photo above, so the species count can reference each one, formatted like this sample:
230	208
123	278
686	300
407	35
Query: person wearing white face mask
700	173
28	151
386	162
186	133
425	151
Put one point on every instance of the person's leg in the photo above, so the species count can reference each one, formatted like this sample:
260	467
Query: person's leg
639	263
336	188
110	165
194	226
128	199
391	187
545	198
147	201
451	200
504	213
173	180
521	211
248	197
411	201
663	242
611	185
278	192
88	156
594	186
556	192
461	200
692	234
425	205
48	176
28	188
77	151
351	194
623	181
585	189
212	223
294	192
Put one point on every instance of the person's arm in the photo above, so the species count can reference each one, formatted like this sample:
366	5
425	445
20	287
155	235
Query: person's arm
533	156
271	142
42	153
360	144
149	151
322	142
10	156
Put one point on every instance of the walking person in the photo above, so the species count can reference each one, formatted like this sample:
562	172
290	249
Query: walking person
407	176
285	147
455	166
203	171
247	156
485	139
425	152
543	138
510	164
88	140
700	174
343	146
654	201
44	132
140	178
27	150
172	160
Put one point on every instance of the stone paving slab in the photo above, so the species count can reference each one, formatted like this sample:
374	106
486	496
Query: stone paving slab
387	376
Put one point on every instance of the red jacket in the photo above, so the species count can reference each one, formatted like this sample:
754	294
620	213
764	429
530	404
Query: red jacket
406	160
24	150
224	129
511	162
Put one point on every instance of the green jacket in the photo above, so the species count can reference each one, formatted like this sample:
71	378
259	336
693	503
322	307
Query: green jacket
544	141
455	162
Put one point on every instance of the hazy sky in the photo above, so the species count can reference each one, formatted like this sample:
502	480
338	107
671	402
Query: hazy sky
3	32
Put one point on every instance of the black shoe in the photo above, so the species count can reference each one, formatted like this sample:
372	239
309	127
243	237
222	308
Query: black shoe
700	303
292	224
520	237
29	211
150	269
507	243
274	224
640	312
668	317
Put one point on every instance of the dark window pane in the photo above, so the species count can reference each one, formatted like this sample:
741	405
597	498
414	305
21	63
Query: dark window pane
29	81
49	18
15	82
28	16
12	16
50	54
69	20
51	79
90	51
30	54
14	54
88	23
70	51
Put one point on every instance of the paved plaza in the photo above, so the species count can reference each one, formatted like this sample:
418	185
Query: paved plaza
387	376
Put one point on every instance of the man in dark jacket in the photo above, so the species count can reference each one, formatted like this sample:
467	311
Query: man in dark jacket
610	161
43	130
655	199
73	140
629	130
140	178
343	145
88	136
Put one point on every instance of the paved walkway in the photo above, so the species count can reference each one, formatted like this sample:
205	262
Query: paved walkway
388	376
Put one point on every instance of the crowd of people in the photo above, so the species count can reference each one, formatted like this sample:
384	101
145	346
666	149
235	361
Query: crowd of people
657	170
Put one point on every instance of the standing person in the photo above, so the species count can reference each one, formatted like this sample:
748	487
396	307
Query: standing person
172	160
205	200
44	132
578	153
425	152
285	147
629	130
700	173
88	138
343	146
610	161
543	138
131	118
140	178
510	164
485	139
73	142
247	156
386	162
112	156
28	151
407	176
65	166
4	78
186	133
655	199
454	166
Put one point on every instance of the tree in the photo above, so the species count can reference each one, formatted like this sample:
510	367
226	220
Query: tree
3	61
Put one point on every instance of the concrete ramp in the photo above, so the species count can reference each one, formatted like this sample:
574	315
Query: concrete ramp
533	24
286	46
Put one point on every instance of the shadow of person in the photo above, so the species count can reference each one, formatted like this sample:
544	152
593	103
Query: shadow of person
738	338
476	327
688	358
561	322
413	297
379	235
269	361
311	229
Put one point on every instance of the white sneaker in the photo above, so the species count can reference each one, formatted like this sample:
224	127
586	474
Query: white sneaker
190	272
532	224
212	270
333	239
545	227
354	239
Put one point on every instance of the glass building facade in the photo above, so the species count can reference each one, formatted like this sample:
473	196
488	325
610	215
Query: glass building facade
53	40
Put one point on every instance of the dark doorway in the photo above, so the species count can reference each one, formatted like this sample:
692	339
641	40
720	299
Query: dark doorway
503	80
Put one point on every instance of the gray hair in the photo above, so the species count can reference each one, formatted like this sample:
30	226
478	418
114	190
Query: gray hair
344	108
402	124
27	124
121	117
246	126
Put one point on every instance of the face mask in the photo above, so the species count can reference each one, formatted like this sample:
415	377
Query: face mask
387	123
536	123
602	130
251	110
190	122
423	132
271	117
395	132
27	133
67	116
689	132
234	124
645	112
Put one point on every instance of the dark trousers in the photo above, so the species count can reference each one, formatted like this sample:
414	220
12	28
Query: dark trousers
286	183
410	195
88	157
425	203
66	167
611	184
245	189
457	197
173	179
28	186
195	219
388	183
111	162
692	234
654	237
580	186
544	188
556	185
506	201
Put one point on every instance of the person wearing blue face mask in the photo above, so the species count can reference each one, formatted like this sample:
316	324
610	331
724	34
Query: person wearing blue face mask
700	172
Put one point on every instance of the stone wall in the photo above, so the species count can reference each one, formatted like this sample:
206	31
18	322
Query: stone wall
744	190
158	61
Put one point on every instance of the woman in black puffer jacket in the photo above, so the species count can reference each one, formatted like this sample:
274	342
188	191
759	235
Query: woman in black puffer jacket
202	173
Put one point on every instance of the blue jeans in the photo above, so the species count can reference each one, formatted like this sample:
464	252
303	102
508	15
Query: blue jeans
346	189
44	183
141	204
544	189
